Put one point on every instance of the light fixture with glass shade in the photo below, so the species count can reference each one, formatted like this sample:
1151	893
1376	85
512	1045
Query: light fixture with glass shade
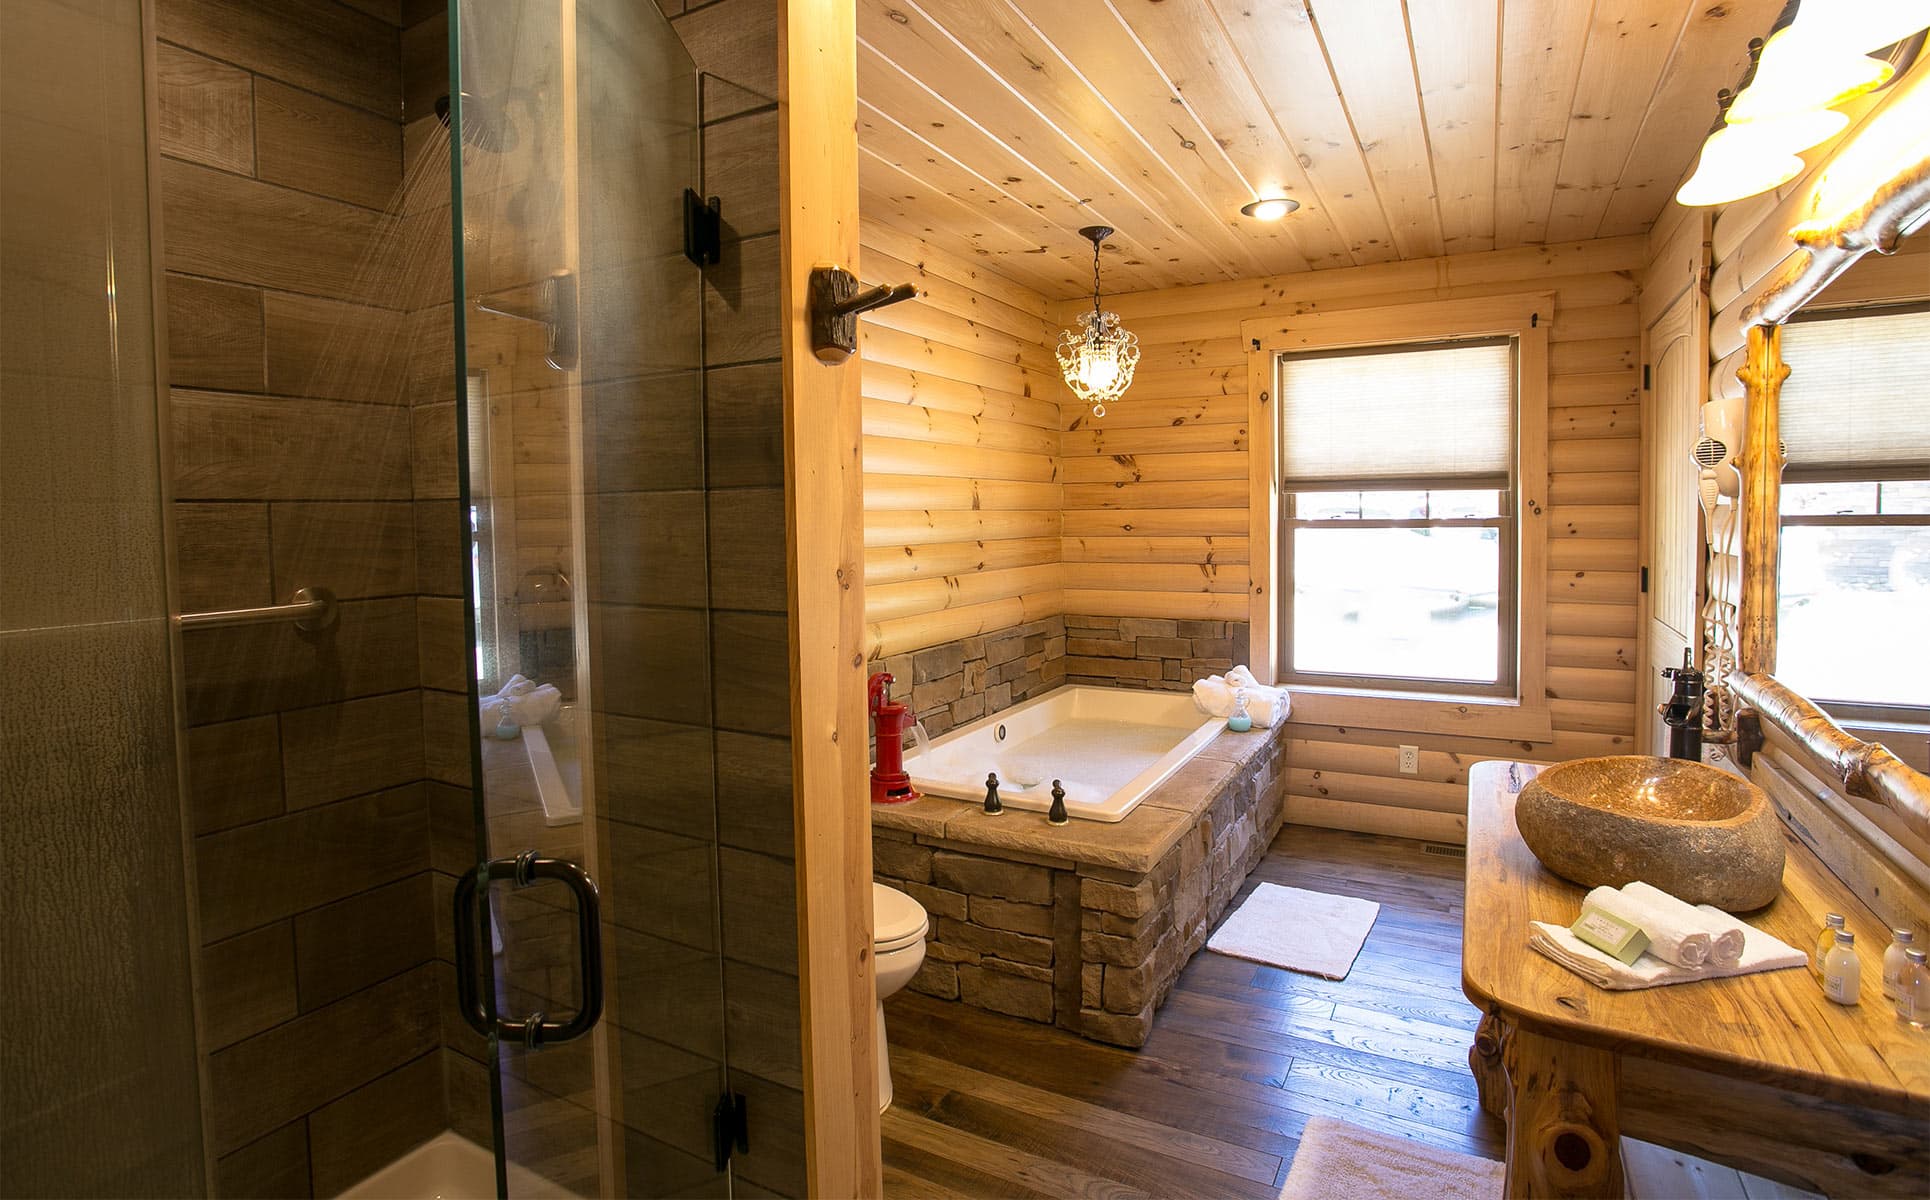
1796	73
1269	208
1752	157
1098	356
1861	26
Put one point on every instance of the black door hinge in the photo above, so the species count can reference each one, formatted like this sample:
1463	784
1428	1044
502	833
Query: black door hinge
1645	579
1645	377
703	229
731	1129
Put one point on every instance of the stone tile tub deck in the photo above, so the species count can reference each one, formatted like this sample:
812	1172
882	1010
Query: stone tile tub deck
1085	926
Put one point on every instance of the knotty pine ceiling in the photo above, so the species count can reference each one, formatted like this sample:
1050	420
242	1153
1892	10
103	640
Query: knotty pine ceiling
996	128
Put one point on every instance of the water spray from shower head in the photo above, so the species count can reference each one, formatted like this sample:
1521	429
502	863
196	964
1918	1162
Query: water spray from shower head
486	125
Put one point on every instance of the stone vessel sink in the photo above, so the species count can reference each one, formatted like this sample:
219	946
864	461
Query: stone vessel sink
1693	831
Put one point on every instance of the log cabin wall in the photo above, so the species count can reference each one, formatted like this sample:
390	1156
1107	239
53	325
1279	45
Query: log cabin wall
962	489
1155	521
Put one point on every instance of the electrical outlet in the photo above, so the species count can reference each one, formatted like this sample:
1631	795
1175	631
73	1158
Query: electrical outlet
1410	760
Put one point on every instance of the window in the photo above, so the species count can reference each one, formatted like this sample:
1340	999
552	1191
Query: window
1855	572
1397	535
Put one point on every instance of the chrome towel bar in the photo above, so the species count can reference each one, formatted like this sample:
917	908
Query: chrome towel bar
312	610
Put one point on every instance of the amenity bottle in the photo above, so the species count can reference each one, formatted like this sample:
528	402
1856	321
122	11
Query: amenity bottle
1832	924
1913	991
1241	720
1842	970
1893	959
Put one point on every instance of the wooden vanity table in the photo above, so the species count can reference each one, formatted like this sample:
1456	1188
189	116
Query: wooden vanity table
1759	1072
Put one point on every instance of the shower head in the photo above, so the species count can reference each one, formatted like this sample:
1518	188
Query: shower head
486	124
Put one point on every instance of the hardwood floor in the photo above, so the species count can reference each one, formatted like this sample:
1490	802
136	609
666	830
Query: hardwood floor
1241	1056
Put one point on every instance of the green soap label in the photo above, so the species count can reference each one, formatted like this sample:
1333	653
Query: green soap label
1610	934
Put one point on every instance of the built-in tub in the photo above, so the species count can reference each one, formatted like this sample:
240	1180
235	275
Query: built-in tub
1107	746
555	750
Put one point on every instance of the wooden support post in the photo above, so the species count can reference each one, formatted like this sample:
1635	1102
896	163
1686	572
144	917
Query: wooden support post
1485	1061
1563	1136
1762	374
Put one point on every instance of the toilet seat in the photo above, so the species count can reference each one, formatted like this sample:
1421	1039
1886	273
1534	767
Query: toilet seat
897	921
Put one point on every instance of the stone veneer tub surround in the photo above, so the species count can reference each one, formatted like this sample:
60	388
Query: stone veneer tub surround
1085	926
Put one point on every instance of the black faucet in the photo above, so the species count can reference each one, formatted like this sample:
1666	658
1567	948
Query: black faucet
1683	713
992	805
1058	814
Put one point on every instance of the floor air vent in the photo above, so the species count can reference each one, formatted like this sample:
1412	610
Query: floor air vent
1444	850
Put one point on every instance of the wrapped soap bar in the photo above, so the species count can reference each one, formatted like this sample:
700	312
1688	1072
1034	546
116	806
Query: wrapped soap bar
1619	939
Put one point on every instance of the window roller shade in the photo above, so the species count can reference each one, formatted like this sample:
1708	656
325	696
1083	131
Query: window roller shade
1855	396
1425	415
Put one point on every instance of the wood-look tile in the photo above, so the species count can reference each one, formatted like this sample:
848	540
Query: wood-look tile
250	670
355	549
425	63
389	11
227	227
648	548
759	898
262	1083
742	317
776	1158
656	774
744	425
442	642
334	349
452	827
668	990
436	460
752	654
660	884
248	984
762	1016
346	946
746	537
304	141
754	798
465	1089
333	751
735	44
272	1167
646	434
653	1167
234	773
440	538
650	662
207	110
667	1091
276	868
234	447
222	556
431	367
319	45
214	335
377	1123
445	737
740	168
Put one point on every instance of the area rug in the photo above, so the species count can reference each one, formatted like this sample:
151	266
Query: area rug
1310	932
1338	1161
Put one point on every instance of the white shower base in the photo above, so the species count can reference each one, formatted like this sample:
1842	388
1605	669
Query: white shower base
451	1167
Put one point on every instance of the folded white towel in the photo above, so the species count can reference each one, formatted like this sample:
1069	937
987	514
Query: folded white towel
1761	952
533	707
1724	931
1673	936
1268	706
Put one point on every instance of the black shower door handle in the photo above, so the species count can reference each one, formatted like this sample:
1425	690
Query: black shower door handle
536	1030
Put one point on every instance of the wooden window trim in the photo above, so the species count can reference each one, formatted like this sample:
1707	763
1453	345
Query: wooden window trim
1526	317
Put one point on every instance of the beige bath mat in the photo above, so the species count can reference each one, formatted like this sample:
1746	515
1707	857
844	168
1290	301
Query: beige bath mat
1310	932
1338	1161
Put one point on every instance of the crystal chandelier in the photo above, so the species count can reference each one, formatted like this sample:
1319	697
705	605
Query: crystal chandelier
1097	358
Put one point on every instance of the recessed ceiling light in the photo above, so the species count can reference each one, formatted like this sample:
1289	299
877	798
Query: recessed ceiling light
1270	209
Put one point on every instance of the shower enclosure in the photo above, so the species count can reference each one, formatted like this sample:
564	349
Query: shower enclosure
439	860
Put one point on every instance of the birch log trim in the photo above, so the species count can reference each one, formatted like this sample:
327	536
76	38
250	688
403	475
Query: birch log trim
1864	769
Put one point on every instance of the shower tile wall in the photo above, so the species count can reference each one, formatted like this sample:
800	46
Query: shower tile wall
316	767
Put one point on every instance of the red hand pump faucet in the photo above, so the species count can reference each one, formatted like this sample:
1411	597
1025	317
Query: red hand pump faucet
889	721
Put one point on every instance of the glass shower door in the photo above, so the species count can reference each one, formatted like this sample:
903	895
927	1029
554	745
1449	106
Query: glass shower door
579	363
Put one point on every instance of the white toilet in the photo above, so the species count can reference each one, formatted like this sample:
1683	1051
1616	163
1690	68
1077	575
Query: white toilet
898	925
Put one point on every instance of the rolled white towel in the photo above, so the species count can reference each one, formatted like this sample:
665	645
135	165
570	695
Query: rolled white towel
1259	694
1683	943
535	706
1724	931
1761	952
518	685
1214	695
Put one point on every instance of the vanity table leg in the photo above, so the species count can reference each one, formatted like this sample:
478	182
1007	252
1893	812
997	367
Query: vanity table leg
1484	1061
1563	1135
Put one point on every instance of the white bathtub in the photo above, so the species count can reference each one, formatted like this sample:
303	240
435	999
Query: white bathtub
1107	746
554	750
451	1167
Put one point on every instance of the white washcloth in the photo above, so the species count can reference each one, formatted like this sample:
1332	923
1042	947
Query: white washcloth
520	702
1761	952
1724	931
1268	706
1673	938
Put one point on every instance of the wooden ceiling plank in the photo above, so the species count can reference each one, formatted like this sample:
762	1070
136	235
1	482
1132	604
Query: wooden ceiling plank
1541	56
1013	83
1369	55
1628	46
1283	57
1713	53
1454	58
1039	198
966	272
897	201
1192	55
